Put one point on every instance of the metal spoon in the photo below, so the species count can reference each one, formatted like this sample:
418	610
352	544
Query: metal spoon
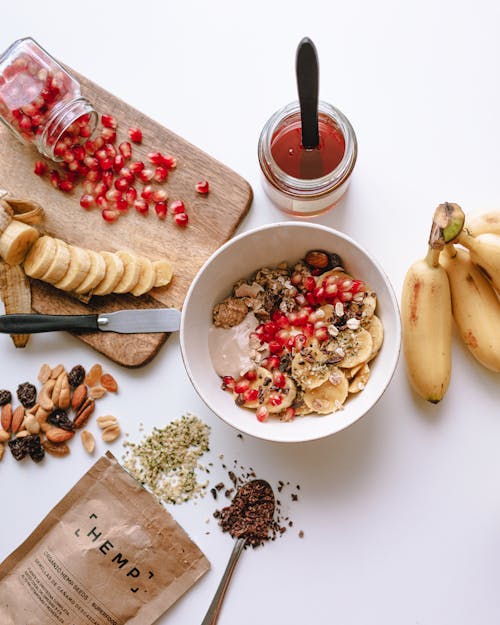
212	615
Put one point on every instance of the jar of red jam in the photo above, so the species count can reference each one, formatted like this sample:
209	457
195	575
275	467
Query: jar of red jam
307	182
41	102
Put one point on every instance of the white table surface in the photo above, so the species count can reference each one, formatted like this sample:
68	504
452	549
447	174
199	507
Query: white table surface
400	512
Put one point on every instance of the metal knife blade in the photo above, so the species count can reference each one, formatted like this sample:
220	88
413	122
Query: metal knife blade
123	321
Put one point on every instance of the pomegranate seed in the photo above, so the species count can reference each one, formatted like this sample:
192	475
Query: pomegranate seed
107	177
68	156
87	201
122	205
309	283
159	195
100	188
282	337
275	347
78	152
90	147
101	154
108	121
66	186
181	220
107	163
102	202
146	175
141	206
262	414
156	158
311	298
250	395
321	333
161	210
308	329
251	375
346	285
241	386
109	135
177	207
319	293
131	195
289	414
147	192
160	174
126	150
110	215
88	187
227	382
40	168
296	278
93	175
121	184
299	341
91	162
357	286
118	162
202	187
137	167
110	150
168	161
279	379
331	289
113	195
127	174
275	399
135	135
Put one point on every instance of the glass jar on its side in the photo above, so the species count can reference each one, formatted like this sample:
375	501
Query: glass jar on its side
303	195
40	102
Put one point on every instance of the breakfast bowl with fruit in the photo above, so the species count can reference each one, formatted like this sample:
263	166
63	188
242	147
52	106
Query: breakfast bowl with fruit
290	332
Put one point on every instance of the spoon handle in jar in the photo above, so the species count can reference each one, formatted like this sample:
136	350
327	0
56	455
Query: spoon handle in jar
212	615
307	70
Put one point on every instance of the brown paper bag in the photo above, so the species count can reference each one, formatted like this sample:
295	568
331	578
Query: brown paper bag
107	554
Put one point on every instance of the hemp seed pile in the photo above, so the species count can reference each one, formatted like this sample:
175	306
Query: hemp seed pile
166	461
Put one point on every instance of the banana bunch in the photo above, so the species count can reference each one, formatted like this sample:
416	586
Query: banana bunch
83	271
452	282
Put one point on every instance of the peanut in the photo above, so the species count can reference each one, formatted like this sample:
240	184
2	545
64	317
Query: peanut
96	392
88	441
111	433
106	420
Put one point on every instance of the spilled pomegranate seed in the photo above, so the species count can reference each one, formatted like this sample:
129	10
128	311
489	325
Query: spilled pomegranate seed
147	192
125	150
161	210
202	187
262	414
66	186
146	175
135	135
87	201
110	215
108	121
181	220
40	168
141	206
160	174
177	207
159	195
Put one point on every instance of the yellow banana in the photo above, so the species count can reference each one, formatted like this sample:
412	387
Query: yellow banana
15	291
476	308
483	223
426	320
484	252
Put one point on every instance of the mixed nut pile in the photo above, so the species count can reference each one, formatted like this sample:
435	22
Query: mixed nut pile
47	419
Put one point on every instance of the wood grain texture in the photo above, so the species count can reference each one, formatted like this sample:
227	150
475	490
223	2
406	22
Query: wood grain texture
213	220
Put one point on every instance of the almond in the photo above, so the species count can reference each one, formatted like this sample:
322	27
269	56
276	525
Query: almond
79	396
56	372
94	375
109	383
2	450
58	435
96	392
55	449
111	433
88	441
86	409
6	418
44	373
17	418
106	420
4	436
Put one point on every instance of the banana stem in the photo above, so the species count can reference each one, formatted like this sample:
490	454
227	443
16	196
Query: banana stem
466	239
450	250
432	258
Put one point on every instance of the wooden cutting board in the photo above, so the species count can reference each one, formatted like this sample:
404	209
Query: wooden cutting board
213	220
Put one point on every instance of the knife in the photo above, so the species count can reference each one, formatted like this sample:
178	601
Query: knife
122	321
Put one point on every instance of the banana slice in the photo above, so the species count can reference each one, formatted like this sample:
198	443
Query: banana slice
368	307
131	273
330	396
78	269
275	399
16	241
95	274
147	277
60	263
301	408
356	345
359	381
309	367
351	373
114	272
286	396
5	215
40	257
164	272
261	384
376	330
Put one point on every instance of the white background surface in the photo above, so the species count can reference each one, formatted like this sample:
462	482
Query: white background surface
401	512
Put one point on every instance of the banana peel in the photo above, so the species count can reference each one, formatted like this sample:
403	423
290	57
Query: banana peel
15	291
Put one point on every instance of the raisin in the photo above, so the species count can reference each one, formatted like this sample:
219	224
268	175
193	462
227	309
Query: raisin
76	376
5	397
26	393
19	448
60	419
35	449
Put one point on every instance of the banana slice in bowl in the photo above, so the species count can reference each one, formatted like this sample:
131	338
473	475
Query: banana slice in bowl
330	396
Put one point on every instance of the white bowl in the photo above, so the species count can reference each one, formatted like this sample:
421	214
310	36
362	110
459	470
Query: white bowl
239	258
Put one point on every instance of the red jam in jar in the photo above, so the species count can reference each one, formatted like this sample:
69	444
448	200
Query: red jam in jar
40	102
307	182
299	162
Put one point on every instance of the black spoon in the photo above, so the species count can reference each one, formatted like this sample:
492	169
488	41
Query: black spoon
307	70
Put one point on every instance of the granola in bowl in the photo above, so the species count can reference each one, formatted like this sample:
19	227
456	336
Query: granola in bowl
297	339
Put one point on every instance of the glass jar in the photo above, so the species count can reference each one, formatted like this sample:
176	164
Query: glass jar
40	102
302	182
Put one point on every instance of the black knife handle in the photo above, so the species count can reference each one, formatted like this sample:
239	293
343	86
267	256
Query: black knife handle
33	324
307	70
